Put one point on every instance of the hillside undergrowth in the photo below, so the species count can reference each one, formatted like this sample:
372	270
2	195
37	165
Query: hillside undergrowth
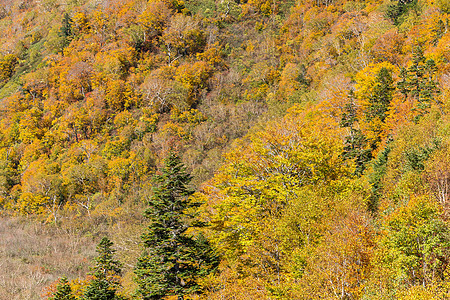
316	134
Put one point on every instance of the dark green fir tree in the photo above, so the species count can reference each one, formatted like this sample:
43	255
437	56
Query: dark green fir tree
63	291
107	273
419	82
356	145
376	178
172	261
66	30
381	97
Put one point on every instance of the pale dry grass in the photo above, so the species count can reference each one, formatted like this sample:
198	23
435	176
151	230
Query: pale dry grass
33	255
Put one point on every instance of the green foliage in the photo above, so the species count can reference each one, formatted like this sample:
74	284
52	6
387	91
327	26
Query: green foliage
66	30
8	177
63	291
376	179
106	275
356	145
396	12
416	157
8	65
172	260
417	243
381	96
444	5
93	93
419	82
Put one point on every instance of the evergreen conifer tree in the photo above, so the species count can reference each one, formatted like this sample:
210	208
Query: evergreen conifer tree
66	30
420	82
375	178
402	85
356	145
381	96
106	274
63	291
172	260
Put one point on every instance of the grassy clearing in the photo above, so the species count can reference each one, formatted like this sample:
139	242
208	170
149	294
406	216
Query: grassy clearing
33	255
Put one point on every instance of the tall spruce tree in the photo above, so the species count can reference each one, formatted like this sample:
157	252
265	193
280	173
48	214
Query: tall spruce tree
172	260
419	82
356	145
381	97
63	291
66	30
107	272
375	178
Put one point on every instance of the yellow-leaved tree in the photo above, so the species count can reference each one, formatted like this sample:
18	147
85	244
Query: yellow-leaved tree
268	204
374	92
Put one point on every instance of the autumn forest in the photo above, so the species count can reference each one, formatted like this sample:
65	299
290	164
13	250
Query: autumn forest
224	149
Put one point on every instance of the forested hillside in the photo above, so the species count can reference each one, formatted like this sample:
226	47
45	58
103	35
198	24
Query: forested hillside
230	149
